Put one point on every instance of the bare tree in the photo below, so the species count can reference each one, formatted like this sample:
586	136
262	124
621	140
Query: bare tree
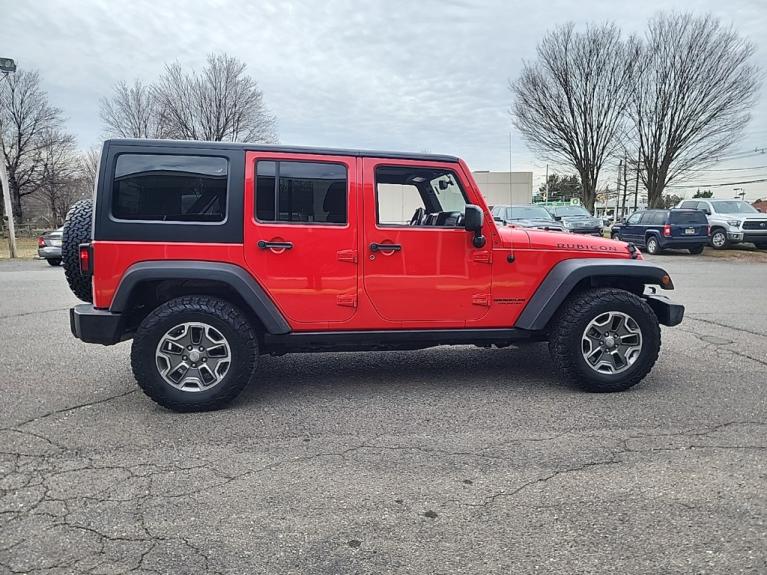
26	119
60	177
222	103
89	168
569	103
131	112
691	99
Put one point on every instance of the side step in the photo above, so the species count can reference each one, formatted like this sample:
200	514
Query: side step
390	339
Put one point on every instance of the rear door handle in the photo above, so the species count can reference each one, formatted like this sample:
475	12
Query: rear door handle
374	247
264	245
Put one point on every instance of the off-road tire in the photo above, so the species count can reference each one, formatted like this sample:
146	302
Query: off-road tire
77	230
54	262
216	312
722	245
567	330
653	245
696	251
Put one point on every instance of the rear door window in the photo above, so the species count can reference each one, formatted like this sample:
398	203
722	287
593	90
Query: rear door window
168	188
301	192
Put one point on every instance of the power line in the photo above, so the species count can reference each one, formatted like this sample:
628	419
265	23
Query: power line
730	169
720	185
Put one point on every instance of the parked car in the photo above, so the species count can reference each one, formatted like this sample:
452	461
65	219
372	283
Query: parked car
577	219
657	230
208	255
49	246
527	216
732	222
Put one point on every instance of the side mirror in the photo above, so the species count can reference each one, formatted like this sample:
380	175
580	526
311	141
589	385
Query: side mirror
472	222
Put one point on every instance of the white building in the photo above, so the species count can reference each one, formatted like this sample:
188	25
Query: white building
505	187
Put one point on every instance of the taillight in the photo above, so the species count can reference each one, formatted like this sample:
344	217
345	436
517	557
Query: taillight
86	261
41	242
667	231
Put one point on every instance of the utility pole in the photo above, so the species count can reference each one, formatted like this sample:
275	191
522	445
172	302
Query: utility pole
625	186
7	66
636	187
617	191
511	188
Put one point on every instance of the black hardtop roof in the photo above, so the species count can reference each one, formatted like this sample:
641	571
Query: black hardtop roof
194	144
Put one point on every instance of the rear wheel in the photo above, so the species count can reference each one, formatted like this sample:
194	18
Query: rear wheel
719	239
653	247
194	353
696	250
54	262
605	340
77	230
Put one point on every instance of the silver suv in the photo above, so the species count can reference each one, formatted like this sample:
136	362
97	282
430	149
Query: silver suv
731	222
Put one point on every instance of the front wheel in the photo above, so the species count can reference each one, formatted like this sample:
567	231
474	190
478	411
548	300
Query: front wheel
605	340
194	353
761	246
54	261
719	240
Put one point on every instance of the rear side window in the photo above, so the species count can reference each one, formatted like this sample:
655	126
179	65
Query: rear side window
688	218
170	188
301	192
654	218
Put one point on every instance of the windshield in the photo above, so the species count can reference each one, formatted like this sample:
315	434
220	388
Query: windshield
733	207
448	193
528	213
569	211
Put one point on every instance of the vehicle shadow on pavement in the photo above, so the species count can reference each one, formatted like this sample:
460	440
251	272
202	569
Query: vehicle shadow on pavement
446	367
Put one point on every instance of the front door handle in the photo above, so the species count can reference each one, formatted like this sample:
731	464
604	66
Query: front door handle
374	247
264	245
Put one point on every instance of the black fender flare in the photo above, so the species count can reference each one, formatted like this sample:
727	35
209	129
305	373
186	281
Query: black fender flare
232	275
563	277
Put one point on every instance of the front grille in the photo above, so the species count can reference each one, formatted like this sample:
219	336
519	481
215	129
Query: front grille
755	225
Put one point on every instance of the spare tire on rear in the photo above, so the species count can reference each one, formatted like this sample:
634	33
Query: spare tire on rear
77	230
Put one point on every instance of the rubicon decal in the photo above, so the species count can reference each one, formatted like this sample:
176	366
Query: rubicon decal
586	247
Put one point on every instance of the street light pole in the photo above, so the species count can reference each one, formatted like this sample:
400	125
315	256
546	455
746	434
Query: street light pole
7	66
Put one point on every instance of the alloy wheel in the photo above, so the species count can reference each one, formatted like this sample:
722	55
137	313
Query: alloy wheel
193	356
611	342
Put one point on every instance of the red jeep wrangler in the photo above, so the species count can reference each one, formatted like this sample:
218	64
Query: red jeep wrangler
209	254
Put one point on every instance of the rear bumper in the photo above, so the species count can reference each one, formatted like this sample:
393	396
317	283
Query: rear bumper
93	325
49	252
667	312
683	242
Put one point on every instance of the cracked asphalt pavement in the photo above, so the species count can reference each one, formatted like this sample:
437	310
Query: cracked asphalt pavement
450	460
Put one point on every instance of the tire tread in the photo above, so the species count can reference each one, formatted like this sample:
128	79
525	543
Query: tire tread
220	308
565	328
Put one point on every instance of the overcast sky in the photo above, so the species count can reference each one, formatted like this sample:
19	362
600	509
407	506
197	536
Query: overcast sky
413	75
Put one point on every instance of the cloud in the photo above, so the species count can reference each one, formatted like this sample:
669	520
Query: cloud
387	74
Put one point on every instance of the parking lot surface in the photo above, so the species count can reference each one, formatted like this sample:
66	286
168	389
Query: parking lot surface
450	460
